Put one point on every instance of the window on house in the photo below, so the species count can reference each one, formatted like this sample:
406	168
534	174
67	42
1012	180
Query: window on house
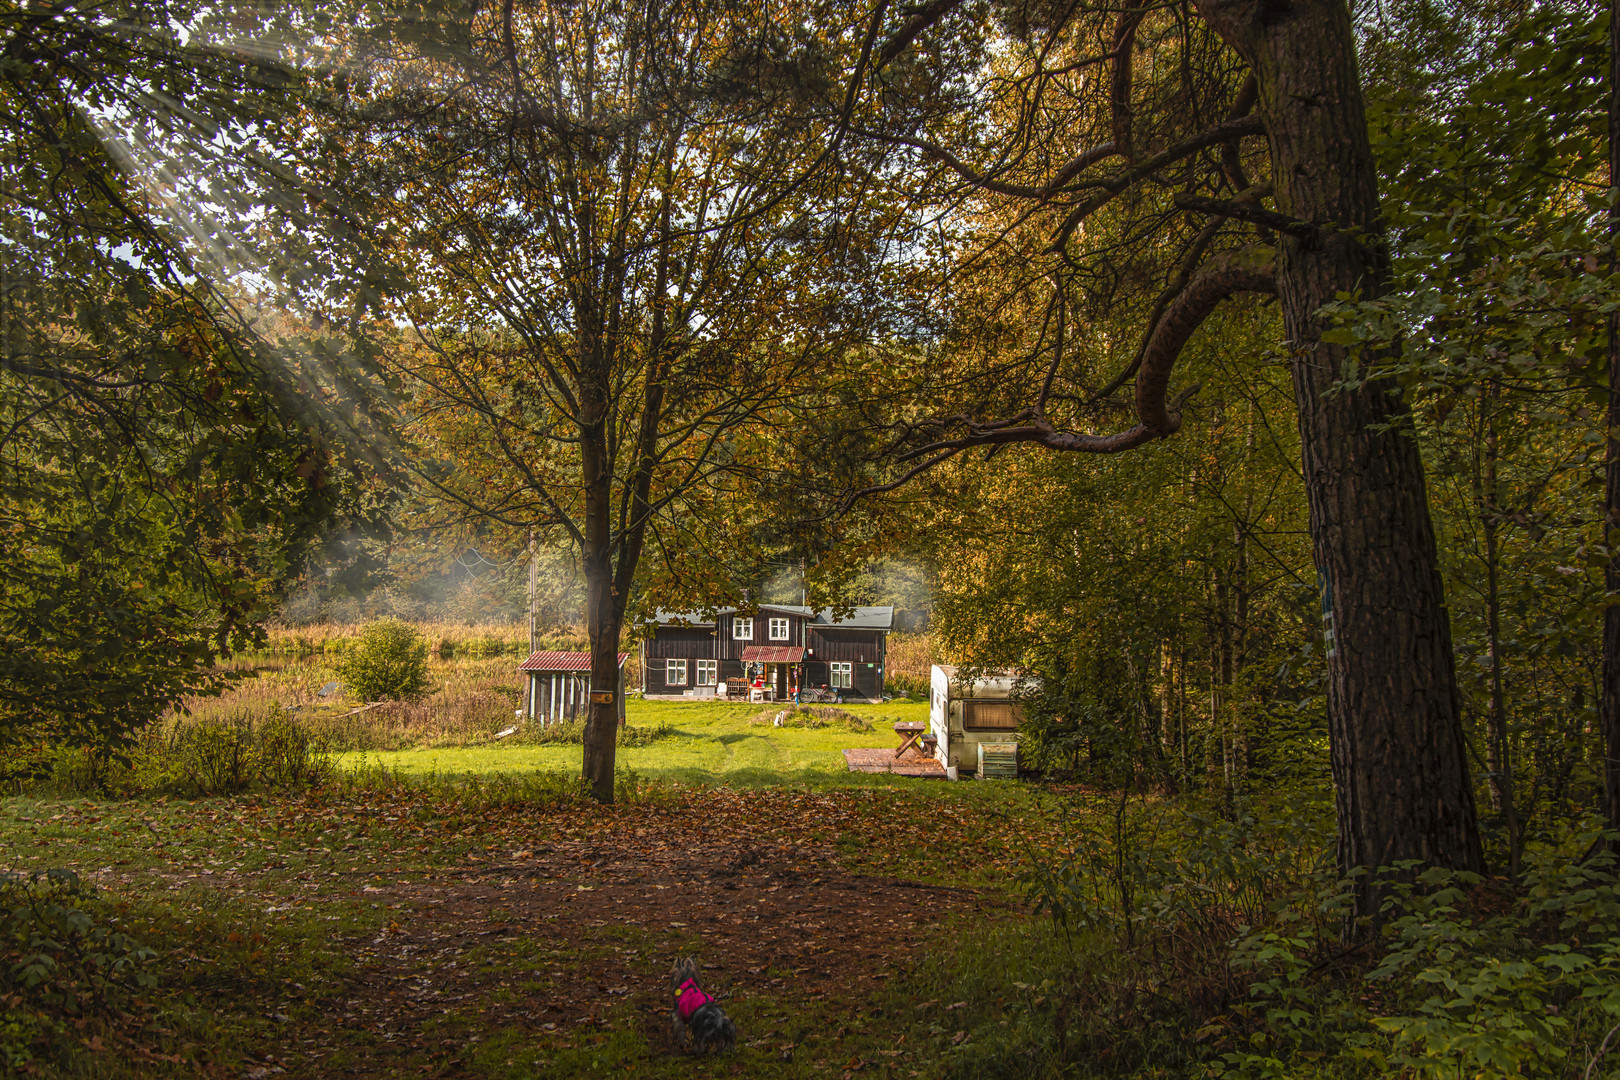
707	674
742	629
779	629
675	672
843	674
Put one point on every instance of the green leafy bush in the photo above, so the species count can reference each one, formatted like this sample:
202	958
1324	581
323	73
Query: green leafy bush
59	967
387	662
226	756
216	757
899	683
291	757
1461	984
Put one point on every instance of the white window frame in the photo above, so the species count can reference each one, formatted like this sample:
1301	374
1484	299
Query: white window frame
841	669
674	672
742	629
787	630
708	673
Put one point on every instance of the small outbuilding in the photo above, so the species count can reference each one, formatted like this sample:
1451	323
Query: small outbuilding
965	714
560	685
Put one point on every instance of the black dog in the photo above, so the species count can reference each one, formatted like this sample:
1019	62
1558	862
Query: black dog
696	1016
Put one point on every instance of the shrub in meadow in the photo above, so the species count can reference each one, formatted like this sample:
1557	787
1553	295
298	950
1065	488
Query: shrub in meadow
387	662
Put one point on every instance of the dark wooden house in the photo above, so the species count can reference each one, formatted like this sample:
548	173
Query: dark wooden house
792	651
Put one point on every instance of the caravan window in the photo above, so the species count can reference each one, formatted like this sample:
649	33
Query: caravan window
991	715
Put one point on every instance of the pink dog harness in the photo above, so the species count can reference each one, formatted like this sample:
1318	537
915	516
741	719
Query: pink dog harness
689	999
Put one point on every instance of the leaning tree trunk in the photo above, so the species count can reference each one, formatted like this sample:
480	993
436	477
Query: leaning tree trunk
1399	761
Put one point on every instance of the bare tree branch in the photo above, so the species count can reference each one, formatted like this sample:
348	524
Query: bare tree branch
1114	185
1248	269
918	19
1247	211
1189	265
1231	159
1119	88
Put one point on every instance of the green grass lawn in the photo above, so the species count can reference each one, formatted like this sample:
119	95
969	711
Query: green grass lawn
467	912
713	742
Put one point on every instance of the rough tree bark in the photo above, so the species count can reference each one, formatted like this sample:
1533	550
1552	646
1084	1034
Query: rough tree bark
1609	702
602	612
1400	769
1499	746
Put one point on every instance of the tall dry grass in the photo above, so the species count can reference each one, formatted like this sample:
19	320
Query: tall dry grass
446	640
470	702
477	687
911	656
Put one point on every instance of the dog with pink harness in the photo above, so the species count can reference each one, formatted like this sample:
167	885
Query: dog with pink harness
697	1018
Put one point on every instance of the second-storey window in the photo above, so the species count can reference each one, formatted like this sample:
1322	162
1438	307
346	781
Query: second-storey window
675	672
707	674
843	674
779	629
742	629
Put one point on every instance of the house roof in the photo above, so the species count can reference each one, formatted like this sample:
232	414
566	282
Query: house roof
861	618
772	654
562	661
684	618
998	683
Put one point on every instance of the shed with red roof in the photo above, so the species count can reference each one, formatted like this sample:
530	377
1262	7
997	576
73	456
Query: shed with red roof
560	685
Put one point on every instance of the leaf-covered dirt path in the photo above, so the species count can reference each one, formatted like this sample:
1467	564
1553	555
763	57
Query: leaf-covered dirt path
769	923
399	935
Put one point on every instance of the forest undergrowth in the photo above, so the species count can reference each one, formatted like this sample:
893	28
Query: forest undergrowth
1088	935
1207	938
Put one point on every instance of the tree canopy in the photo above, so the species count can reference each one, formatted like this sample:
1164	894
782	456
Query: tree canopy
164	455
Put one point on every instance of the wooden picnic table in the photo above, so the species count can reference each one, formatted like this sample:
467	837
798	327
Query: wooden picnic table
911	734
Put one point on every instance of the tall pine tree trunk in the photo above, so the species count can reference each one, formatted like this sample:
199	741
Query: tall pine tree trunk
1399	762
1609	702
1499	745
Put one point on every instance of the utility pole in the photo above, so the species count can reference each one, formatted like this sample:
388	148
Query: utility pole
534	628
534	594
